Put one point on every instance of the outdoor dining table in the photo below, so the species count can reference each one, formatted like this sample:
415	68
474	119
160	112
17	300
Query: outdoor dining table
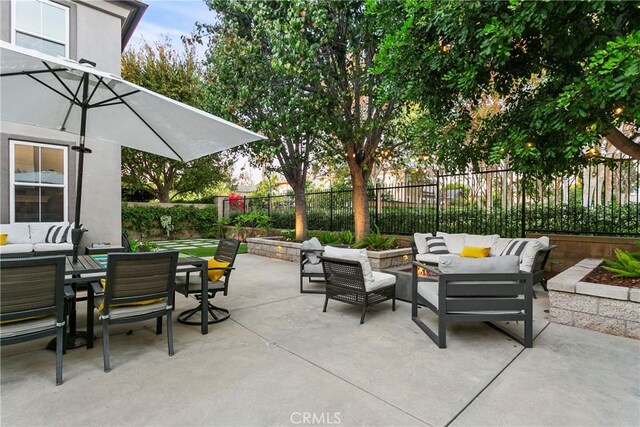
94	267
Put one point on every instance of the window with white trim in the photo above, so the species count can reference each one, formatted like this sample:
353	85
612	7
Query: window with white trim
38	175
42	25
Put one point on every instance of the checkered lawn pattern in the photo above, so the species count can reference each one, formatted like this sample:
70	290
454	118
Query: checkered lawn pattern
187	244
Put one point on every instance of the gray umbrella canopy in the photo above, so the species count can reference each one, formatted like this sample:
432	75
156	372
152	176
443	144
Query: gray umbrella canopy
46	91
60	94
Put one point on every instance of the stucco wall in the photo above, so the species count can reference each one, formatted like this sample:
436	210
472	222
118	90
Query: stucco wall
95	34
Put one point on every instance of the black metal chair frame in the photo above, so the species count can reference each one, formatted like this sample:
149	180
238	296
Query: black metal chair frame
226	252
112	267
304	260
345	283
464	302
57	310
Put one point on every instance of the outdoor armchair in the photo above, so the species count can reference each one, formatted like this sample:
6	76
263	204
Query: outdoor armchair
32	298
474	290
139	286
345	282
220	268
311	265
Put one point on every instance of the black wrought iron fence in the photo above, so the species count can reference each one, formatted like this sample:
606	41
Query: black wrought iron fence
601	200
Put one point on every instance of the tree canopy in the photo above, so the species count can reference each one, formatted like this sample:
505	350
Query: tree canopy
176	75
537	83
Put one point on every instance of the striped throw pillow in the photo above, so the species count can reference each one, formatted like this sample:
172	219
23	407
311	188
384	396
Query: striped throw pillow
515	247
437	246
57	234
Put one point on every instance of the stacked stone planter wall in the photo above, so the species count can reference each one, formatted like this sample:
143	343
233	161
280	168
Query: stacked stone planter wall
274	247
604	308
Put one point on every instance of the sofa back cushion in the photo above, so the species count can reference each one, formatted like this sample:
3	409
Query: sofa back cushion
501	264
359	255
16	233
480	241
420	239
39	231
454	242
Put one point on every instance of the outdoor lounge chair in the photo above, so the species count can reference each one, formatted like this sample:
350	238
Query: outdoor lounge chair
310	265
474	290
220	268
346	283
32	301
139	286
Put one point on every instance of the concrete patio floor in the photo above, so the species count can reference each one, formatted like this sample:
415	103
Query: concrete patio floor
280	361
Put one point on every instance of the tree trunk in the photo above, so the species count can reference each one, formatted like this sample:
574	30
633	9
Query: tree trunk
360	202
622	142
301	212
163	195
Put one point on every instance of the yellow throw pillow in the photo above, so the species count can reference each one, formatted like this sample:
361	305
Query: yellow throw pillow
475	252
3	239
215	275
103	283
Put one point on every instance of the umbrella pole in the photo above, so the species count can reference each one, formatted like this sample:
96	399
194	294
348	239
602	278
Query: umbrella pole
78	231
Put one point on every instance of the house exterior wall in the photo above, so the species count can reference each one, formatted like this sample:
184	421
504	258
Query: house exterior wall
95	34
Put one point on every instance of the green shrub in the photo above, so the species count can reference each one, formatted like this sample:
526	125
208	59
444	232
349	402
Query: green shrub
288	234
626	264
375	240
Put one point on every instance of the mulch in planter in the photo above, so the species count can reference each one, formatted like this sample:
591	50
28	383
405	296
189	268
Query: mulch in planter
600	275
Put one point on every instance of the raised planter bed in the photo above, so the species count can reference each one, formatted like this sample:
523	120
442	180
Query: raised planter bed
613	310
277	247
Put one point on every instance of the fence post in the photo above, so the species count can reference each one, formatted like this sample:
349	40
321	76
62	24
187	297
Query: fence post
269	205
244	204
331	209
437	201
378	201
523	230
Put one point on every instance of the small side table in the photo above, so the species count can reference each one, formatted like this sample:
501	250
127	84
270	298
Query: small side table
103	250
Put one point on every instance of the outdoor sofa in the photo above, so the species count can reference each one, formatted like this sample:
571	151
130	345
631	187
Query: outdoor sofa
36	239
533	253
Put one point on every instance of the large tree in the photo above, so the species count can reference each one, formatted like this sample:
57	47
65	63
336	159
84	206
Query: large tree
253	78
177	75
561	75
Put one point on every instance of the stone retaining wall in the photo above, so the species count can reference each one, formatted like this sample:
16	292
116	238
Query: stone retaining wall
290	251
609	309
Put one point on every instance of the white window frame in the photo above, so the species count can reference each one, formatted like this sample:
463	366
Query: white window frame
15	28
13	184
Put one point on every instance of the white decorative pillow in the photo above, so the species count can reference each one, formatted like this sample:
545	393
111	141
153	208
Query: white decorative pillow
57	234
515	247
454	242
68	233
437	246
528	257
420	240
359	255
312	243
499	246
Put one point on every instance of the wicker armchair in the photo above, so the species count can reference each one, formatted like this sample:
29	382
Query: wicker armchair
345	283
32	302
313	272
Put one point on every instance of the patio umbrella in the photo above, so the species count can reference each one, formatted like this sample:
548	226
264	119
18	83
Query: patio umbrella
75	97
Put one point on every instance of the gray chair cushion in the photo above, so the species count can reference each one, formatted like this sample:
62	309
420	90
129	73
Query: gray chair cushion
315	244
133	310
312	269
380	280
501	264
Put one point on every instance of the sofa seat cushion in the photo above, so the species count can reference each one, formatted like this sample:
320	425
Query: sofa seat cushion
380	280
16	233
309	268
500	264
16	248
51	247
432	258
420	239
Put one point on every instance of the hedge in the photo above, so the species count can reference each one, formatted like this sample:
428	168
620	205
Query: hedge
145	220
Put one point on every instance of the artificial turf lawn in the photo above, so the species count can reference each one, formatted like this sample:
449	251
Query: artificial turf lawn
210	251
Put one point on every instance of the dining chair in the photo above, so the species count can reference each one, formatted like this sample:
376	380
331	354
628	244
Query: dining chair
32	301
138	287
219	272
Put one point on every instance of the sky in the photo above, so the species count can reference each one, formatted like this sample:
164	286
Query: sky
172	19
